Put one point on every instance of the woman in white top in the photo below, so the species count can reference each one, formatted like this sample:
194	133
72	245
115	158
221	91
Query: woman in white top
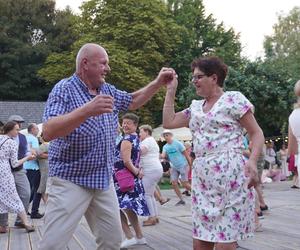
152	171
294	129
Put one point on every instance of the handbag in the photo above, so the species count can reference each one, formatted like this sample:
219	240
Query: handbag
125	180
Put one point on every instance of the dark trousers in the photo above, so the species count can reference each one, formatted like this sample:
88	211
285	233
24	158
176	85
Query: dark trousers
34	177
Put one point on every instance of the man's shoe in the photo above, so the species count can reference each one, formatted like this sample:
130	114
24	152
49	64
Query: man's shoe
181	202
36	215
128	242
19	224
3	229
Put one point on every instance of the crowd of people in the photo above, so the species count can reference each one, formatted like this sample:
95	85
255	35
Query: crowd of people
110	173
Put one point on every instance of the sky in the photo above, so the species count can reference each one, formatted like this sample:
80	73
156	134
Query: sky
253	19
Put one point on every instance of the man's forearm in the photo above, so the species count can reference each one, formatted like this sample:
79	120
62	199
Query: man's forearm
63	125
143	95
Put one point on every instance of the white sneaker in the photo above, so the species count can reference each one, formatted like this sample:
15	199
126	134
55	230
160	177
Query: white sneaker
141	241
128	242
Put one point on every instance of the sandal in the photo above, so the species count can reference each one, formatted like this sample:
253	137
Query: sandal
149	222
29	228
162	202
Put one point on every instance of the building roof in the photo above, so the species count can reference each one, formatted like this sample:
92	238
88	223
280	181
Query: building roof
30	111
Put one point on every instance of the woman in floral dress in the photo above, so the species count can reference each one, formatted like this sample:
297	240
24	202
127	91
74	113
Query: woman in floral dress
222	182
10	201
133	203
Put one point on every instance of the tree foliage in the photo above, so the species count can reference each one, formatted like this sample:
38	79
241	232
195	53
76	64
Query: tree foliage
30	31
38	47
283	46
270	91
142	36
139	37
202	36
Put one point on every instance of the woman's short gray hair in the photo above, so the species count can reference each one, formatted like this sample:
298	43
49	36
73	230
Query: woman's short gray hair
147	128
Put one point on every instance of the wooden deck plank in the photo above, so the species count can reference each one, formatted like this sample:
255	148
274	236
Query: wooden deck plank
74	245
85	237
19	239
281	226
35	237
4	241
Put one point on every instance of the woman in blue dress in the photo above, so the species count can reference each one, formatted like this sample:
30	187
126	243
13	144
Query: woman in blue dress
132	203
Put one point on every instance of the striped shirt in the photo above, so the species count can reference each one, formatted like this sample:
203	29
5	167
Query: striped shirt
85	156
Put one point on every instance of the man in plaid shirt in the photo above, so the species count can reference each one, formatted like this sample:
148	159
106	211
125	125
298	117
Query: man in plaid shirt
81	121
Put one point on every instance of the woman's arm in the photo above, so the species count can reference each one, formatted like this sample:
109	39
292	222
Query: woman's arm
257	138
13	159
43	155
143	95
255	134
170	118
126	147
144	150
188	158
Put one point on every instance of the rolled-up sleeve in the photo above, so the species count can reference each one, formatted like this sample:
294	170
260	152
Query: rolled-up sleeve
122	99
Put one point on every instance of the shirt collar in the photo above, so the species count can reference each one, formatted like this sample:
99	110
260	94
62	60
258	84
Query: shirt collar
83	85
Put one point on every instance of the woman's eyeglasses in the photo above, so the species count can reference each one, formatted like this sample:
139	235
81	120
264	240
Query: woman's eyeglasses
197	77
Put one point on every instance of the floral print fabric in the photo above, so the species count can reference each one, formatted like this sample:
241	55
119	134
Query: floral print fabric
133	200
9	198
222	204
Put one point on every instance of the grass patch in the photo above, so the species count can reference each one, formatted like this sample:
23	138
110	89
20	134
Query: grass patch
165	184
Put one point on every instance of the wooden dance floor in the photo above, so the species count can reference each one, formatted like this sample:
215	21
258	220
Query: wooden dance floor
281	227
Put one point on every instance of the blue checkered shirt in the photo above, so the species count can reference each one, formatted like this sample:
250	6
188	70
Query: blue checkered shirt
86	156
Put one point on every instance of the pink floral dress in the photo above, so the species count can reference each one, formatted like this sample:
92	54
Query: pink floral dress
222	205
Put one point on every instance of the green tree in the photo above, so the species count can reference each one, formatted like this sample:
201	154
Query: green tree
269	89
139	36
28	33
283	46
201	37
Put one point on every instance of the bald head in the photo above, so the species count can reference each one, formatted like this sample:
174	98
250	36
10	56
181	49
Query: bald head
92	65
88	51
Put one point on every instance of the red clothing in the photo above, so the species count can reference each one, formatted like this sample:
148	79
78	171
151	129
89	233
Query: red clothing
292	166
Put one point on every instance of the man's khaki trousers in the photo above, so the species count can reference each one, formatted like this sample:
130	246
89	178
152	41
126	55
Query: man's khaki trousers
67	204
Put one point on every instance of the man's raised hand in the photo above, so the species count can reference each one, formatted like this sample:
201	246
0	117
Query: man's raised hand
165	76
